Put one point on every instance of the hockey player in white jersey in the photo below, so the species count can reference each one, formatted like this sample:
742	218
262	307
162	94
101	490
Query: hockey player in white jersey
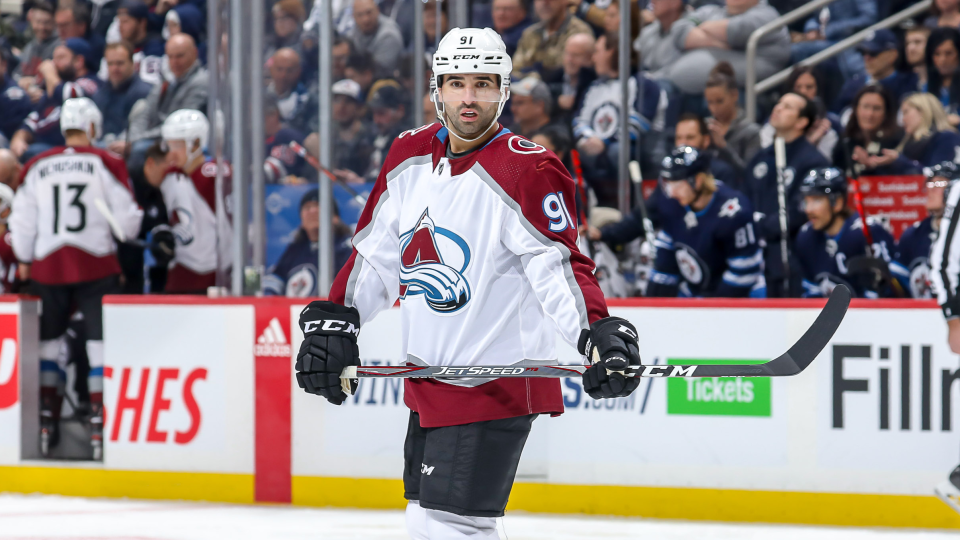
71	202
472	228
190	194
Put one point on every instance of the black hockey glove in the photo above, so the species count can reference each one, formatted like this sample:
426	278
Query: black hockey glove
162	245
329	344
611	346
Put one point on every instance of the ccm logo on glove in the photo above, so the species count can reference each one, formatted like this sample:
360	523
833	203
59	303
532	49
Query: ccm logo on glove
330	326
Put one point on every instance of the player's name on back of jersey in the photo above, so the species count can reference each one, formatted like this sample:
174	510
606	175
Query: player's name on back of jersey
80	165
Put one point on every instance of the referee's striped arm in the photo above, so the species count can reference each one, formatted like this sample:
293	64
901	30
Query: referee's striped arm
945	258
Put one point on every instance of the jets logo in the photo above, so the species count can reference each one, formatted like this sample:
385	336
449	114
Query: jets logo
920	286
760	170
730	208
606	120
692	268
432	263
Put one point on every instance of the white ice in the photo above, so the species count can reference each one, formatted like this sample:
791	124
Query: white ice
41	517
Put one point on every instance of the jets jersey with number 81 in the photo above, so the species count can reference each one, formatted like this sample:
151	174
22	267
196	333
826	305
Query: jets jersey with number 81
56	224
481	251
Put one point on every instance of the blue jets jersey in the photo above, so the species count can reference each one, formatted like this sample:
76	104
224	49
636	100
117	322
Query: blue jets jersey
713	252
911	261
824	260
295	274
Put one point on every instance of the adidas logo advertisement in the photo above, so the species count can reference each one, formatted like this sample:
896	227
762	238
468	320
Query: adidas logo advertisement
272	341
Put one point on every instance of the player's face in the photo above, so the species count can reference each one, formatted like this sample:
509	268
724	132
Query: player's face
680	191
470	103
177	153
688	134
817	208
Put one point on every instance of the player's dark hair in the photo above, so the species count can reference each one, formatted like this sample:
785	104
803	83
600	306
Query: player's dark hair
935	83
722	76
853	130
693	117
155	152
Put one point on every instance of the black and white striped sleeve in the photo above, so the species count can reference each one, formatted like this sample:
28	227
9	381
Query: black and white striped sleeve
945	258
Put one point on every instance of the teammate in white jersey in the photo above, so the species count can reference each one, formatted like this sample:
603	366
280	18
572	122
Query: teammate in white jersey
71	202
190	194
472	228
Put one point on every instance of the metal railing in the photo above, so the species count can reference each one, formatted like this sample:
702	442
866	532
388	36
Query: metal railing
753	88
750	100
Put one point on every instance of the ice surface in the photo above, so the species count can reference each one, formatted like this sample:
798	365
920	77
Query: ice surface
36	517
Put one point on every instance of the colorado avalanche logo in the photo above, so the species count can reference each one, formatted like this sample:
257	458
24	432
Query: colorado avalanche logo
432	263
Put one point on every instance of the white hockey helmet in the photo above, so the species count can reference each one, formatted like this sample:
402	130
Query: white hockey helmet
471	50
83	115
190	126
6	201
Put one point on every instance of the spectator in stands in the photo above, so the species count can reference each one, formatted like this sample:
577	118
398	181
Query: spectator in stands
658	40
736	139
714	34
944	13
880	55
929	138
376	35
67	76
915	45
187	19
295	274
691	130
825	133
353	135
342	50
147	48
430	26
72	20
531	105
596	124
361	69
541	45
288	17
792	117
9	168
282	164
115	99
841	19
14	103
871	129
569	83
188	90
388	106
510	19
556	138
294	100
943	59
39	48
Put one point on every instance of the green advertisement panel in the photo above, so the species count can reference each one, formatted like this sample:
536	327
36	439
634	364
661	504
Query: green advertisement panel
718	396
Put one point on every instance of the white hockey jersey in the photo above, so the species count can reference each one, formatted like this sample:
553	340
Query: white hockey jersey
203	239
56	223
481	251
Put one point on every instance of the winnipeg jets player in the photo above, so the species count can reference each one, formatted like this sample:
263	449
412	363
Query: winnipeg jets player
706	245
471	227
61	234
833	237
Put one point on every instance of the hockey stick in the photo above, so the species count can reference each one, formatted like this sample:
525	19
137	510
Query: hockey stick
634	168
795	360
302	152
780	158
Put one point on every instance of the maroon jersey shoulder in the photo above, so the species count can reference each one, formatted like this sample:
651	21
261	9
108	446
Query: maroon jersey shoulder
519	165
414	142
112	161
204	179
43	155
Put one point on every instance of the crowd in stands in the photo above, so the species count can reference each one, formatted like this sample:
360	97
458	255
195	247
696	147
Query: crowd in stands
886	107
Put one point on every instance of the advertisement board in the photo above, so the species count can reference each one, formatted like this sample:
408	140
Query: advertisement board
10	394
